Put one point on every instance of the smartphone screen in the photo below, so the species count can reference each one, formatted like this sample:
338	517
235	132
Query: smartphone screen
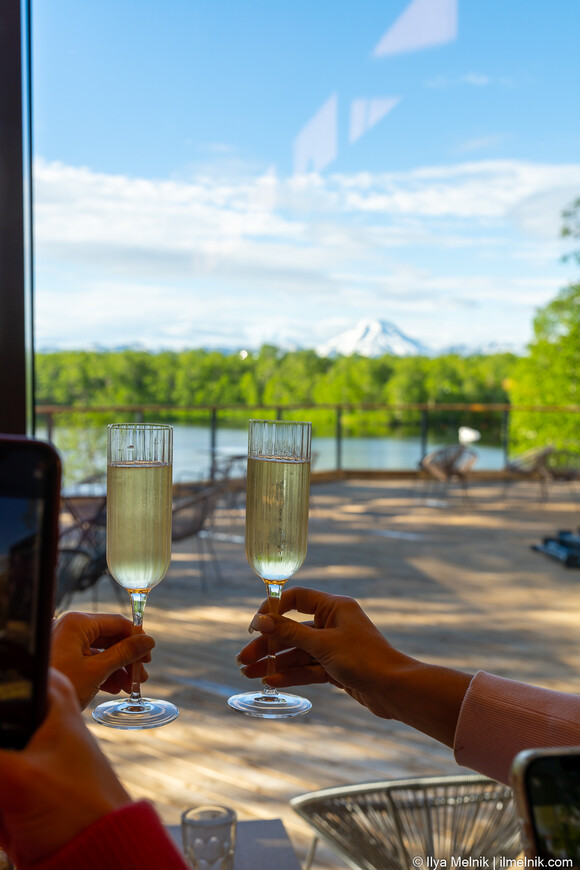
551	793
29	505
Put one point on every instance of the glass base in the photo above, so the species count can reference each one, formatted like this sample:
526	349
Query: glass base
150	713
265	705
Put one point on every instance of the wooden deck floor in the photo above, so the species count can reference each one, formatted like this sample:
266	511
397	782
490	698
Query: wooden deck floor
456	583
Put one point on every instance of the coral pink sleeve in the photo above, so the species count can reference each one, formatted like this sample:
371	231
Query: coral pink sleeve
132	837
500	717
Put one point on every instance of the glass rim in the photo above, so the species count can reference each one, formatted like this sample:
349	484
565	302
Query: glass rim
282	422
139	426
226	814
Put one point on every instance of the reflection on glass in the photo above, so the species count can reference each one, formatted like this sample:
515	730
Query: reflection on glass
20	521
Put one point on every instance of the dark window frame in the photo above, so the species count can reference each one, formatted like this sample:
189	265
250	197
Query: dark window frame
16	291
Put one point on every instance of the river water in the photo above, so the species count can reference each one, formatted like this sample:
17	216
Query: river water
192	452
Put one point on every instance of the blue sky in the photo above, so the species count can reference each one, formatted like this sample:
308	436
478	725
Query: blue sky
226	174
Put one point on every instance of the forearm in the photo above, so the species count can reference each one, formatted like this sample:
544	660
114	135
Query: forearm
425	697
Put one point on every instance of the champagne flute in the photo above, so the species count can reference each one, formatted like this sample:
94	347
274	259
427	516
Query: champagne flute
277	494
139	491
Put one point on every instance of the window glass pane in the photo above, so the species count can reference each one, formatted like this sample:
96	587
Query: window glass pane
225	174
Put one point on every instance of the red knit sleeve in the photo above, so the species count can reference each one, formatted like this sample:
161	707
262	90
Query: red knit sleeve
132	838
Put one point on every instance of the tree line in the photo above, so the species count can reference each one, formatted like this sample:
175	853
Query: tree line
274	377
546	375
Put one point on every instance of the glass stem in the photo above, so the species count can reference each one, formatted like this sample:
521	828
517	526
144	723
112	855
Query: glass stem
138	602
274	593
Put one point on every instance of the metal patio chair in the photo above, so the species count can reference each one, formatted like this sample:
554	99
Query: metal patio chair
231	473
395	824
549	465
449	463
77	570
191	518
529	465
563	466
82	545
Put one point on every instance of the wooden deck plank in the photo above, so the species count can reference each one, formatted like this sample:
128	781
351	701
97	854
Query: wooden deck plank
454	582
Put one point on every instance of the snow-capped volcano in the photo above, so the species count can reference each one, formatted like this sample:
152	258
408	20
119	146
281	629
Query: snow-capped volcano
372	338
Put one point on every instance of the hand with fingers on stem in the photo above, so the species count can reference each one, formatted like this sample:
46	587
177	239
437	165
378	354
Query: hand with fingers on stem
342	646
97	652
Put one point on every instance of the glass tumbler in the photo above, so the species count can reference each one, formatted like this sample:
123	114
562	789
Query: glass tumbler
209	837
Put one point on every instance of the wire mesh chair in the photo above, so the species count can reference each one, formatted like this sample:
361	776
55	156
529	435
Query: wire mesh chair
88	515
191	518
529	465
82	559
77	570
563	465
446	464
385	825
231	474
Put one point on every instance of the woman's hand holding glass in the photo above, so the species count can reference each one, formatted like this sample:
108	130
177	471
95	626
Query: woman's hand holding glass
341	645
321	650
96	651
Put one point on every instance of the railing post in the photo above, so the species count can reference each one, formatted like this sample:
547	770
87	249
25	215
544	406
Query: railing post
338	437
213	443
505	435
278	413
424	431
49	427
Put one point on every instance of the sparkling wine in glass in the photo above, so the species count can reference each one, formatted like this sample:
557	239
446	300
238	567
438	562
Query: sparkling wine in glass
277	497
139	496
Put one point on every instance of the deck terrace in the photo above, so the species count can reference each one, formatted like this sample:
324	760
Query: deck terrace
447	579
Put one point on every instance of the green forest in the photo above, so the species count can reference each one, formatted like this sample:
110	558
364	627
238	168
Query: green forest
546	375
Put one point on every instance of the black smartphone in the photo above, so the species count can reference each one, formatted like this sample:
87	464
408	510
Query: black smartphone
30	476
546	783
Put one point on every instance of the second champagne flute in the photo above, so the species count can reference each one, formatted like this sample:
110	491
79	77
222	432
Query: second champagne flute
277	496
139	495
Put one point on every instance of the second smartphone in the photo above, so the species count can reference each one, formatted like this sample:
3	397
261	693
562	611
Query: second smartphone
547	789
30	475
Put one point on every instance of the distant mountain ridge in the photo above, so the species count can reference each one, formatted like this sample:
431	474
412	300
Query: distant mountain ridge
368	338
487	349
373	338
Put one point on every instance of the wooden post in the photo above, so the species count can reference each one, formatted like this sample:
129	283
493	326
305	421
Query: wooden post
505	436
49	427
338	437
213	443
424	431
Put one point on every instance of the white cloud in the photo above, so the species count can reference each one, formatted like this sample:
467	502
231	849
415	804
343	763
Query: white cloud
478	80
471	79
233	260
482	143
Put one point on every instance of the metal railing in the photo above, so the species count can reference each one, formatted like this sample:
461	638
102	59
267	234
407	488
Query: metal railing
426	413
